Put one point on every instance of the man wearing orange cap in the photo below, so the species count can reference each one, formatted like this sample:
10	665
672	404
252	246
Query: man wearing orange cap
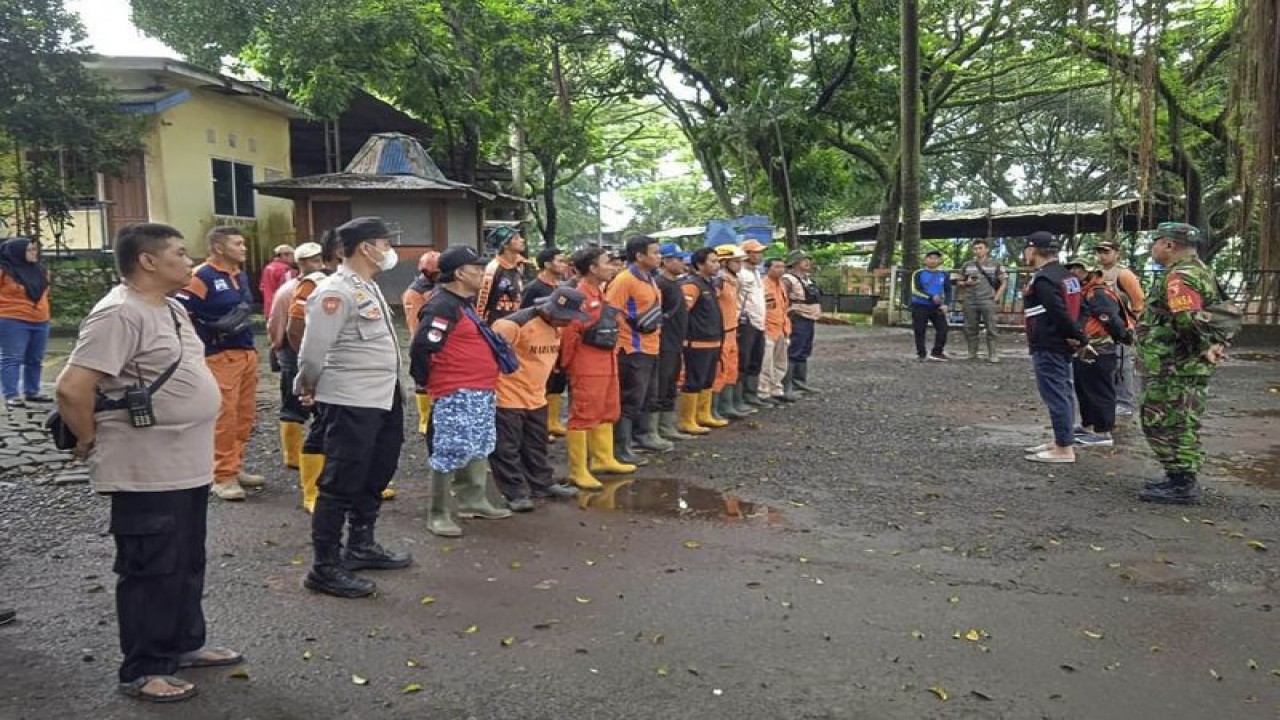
414	297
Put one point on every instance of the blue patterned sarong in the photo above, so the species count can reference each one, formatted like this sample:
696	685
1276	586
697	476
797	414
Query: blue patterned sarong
462	429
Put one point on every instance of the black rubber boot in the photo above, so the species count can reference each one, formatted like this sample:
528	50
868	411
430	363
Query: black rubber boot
622	451
788	386
646	439
740	400
724	406
800	378
364	553
1182	489
751	391
328	576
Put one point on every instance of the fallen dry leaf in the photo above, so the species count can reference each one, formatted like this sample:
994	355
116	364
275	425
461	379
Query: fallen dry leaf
356	679
411	688
507	641
692	544
659	639
1251	664
917	634
516	565
973	635
1257	545
582	599
427	599
662	671
306	655
1214	674
953	599
940	691
472	629
239	674
1092	634
411	663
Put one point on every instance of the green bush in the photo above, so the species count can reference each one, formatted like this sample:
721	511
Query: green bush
76	285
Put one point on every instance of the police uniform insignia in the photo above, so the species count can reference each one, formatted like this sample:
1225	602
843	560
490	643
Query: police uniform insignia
435	335
220	285
331	304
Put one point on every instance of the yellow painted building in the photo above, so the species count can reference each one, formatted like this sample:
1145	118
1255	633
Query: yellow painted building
210	138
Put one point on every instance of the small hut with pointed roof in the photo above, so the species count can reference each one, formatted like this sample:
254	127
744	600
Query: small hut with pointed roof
392	177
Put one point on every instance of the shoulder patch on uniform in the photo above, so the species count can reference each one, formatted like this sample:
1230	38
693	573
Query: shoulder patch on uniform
331	304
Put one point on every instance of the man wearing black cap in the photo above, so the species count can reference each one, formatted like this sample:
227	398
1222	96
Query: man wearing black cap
1051	308
675	326
804	309
929	287
519	458
454	355
349	366
503	286
1182	338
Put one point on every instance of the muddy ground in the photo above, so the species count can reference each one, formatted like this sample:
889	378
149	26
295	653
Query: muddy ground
879	551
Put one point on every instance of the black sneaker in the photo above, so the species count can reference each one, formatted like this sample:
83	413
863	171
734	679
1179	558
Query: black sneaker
7	615
937	358
39	399
14	403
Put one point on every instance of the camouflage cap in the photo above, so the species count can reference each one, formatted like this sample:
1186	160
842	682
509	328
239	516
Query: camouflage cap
1181	233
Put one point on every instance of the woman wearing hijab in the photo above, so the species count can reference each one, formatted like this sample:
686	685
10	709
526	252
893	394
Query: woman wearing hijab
24	320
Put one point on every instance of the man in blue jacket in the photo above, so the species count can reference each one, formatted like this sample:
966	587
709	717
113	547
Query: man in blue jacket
929	287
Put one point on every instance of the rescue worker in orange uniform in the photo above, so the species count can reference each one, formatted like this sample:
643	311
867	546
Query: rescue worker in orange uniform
504	275
414	297
634	293
701	345
219	301
726	382
588	356
519	458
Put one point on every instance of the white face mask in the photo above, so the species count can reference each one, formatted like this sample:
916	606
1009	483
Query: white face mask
389	260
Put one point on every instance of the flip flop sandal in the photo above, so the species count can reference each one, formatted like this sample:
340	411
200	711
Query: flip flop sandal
1045	457
197	658
134	689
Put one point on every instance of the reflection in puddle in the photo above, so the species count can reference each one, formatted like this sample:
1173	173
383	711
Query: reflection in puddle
668	496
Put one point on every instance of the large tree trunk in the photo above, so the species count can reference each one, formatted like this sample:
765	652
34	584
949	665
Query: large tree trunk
550	213
887	231
776	171
909	160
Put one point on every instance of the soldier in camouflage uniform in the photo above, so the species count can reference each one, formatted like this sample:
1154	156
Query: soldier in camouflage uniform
1177	353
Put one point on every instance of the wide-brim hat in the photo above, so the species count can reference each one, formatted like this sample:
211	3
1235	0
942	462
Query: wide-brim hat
751	245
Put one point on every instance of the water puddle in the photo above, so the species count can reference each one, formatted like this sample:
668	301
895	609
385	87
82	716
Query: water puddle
1259	470
670	497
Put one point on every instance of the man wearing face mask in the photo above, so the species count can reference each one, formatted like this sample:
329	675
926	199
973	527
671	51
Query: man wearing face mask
349	366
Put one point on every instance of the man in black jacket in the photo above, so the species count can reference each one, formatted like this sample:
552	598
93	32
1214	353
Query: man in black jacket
1051	308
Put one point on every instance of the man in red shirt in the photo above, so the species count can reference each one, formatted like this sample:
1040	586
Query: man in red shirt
453	356
274	274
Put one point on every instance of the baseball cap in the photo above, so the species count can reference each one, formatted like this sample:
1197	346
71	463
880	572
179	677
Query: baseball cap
1181	233
729	252
305	250
1106	245
753	245
796	256
933	252
1043	240
458	257
671	250
564	303
282	248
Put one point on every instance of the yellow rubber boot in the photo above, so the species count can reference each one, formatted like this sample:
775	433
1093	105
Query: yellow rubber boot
705	417
555	403
602	459
388	492
424	411
310	465
290	443
687	415
579	474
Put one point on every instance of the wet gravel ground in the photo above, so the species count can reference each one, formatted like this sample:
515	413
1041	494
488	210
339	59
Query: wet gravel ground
878	551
